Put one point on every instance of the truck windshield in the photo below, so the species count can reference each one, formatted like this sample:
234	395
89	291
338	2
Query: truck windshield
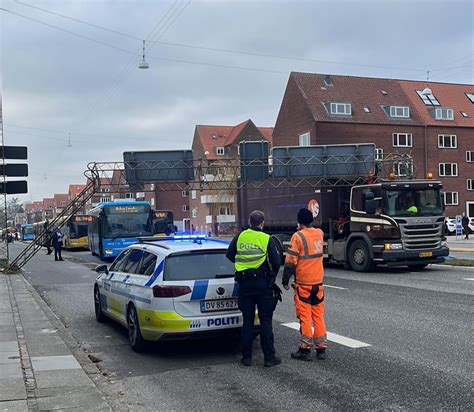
412	202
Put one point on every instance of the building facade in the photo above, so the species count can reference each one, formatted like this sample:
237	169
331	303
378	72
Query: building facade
434	122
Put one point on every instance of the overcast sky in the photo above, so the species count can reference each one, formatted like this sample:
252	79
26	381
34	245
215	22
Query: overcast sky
61	83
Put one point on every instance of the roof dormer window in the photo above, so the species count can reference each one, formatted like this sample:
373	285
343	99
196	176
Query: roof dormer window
327	80
444	114
220	151
400	111
214	135
342	109
428	97
470	96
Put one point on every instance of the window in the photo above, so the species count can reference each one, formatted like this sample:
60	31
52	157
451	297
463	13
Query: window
428	98
448	169
367	109
134	258
400	111
238	149
464	114
451	198
104	189
152	186
469	156
447	141
214	135
402	140
120	260
152	201
384	92
128	195
470	96
104	199
224	210
185	193
193	194
470	184
185	208
62	202
341	109
220	151
147	268
444	114
378	154
194	213
403	169
304	139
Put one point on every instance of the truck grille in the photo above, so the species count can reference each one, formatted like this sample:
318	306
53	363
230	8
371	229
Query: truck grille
423	236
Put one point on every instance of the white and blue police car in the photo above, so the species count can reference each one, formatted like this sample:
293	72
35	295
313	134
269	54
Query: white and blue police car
169	288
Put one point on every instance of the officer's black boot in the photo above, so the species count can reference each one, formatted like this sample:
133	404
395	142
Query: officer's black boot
321	353
302	354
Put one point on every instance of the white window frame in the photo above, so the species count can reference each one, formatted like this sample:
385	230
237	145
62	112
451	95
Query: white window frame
442	169
405	112
193	194
397	169
185	208
470	96
194	213
226	210
184	193
378	153
220	151
129	196
439	113
335	109
454	198
470	184
105	199
105	190
452	139
469	156
304	139
408	136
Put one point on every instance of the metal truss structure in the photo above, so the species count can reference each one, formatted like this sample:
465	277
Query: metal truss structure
223	175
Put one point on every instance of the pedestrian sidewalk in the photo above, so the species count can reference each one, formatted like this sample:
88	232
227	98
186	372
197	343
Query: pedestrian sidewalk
460	244
37	369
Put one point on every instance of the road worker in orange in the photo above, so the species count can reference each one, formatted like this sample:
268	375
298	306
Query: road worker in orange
304	261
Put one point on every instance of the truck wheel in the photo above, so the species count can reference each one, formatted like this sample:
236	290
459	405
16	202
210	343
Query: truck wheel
359	256
416	268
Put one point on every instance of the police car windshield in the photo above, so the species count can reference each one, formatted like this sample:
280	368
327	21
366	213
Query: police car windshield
195	266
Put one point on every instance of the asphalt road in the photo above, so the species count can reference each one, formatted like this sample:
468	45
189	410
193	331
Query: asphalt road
418	326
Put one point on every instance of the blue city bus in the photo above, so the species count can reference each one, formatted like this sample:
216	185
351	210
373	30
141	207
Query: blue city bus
27	232
116	225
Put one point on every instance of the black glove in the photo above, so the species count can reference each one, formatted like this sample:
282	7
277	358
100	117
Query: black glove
277	292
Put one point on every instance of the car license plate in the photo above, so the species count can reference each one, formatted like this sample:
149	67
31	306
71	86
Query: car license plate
218	305
426	254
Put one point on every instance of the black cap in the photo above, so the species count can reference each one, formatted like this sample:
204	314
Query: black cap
305	217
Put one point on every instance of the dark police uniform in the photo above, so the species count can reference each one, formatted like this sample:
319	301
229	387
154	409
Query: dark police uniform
257	263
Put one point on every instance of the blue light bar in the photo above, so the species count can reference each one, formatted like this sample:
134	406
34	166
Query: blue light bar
189	237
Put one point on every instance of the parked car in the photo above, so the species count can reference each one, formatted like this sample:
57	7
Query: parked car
450	225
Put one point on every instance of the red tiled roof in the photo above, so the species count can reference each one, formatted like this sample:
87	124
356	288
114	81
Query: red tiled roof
360	92
74	190
225	135
48	201
449	95
60	197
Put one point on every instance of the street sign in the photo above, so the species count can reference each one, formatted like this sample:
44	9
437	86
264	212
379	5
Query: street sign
458	225
13	152
14	170
13	188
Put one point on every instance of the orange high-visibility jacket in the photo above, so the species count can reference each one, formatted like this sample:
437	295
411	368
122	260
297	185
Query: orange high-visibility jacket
306	254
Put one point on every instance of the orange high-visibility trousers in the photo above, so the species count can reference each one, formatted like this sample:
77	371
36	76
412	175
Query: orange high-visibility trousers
309	305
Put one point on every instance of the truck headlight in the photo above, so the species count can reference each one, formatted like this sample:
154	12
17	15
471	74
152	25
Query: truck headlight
109	251
393	246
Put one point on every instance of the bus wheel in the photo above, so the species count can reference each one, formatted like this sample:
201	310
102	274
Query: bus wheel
134	335
359	256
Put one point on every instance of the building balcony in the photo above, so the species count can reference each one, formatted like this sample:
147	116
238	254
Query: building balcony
225	218
220	198
208	219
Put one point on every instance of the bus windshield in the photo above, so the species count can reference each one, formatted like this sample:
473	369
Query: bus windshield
78	230
163	222
413	202
127	221
28	230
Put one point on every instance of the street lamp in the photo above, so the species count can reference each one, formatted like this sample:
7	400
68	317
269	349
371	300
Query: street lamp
143	63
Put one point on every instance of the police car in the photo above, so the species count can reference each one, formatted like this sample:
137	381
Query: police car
168	288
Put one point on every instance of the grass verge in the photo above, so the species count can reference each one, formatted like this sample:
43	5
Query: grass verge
459	262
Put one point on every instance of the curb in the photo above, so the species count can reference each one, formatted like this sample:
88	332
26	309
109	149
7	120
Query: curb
455	249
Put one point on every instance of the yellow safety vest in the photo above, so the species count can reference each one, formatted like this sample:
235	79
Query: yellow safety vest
252	246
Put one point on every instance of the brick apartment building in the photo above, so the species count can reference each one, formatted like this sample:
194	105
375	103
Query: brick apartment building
432	121
34	212
48	208
61	200
216	211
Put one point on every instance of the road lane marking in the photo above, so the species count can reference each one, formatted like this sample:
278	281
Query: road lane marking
333	337
468	278
334	287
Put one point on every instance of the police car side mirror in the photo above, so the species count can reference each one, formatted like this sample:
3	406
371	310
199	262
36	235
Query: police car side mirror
102	269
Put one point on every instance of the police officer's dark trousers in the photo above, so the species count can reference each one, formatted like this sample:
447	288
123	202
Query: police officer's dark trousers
256	293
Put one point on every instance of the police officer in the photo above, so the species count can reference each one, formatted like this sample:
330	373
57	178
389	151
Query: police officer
304	261
257	263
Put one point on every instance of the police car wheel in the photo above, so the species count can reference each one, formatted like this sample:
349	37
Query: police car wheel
99	314
134	335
